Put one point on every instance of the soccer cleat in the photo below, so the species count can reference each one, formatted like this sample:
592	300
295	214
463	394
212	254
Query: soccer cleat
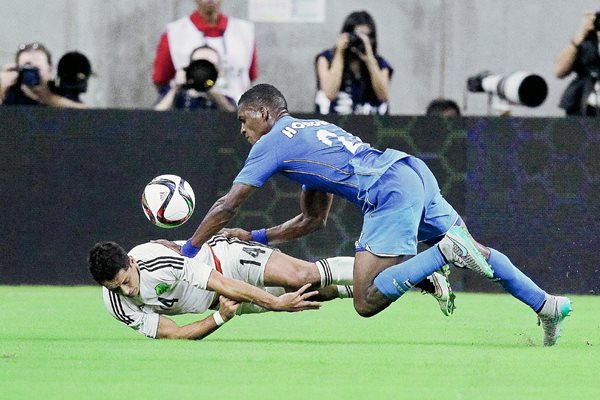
443	292
459	249
551	317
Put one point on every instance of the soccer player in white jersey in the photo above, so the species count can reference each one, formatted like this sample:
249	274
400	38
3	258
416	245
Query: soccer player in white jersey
228	275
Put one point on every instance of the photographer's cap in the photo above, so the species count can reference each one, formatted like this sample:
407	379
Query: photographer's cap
74	65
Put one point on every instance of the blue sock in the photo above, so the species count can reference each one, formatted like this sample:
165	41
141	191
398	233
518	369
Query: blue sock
515	282
396	280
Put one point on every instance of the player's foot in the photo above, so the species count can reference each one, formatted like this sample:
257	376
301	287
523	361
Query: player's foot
551	317
443	292
458	248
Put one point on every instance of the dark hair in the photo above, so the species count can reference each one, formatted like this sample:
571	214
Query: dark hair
35	46
264	95
438	106
106	259
361	18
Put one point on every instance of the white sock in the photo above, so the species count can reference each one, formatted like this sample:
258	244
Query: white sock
345	291
336	270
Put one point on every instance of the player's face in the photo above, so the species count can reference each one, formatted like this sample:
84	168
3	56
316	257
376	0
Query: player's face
254	123
126	282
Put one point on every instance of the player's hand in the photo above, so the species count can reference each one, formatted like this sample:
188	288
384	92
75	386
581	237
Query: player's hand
297	301
236	233
169	244
227	307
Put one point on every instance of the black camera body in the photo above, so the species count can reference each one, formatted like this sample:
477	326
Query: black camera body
200	75
356	43
28	75
597	22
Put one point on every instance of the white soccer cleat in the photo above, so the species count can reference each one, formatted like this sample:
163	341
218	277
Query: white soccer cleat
458	248
443	292
551	317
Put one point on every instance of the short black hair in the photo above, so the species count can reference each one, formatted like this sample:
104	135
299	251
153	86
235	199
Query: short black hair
106	259
264	95
437	107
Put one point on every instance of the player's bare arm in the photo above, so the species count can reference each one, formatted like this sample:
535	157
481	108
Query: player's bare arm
168	329
314	206
222	211
244	292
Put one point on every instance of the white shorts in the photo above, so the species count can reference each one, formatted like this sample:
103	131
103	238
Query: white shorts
241	260
244	261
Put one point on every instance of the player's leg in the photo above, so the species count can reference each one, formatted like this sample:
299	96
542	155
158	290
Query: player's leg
551	310
287	271
386	264
333	292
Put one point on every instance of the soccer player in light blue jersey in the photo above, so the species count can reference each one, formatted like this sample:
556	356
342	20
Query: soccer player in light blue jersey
399	197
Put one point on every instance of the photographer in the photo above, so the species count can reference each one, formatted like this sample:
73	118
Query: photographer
351	77
580	55
194	86
27	81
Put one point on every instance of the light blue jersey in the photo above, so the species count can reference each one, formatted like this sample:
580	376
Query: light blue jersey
324	157
314	153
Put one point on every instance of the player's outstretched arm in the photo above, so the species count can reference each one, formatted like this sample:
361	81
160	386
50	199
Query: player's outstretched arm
221	212
315	206
168	329
244	292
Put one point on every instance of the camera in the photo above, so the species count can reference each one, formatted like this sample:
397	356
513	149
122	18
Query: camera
519	88
200	75
355	42
28	75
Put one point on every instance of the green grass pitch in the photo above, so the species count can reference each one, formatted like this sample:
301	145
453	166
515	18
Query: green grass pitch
60	343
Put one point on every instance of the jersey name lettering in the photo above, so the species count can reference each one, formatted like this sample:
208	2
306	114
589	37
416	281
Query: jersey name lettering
290	131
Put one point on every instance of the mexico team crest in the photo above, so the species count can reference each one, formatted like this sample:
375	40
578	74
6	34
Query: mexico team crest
162	288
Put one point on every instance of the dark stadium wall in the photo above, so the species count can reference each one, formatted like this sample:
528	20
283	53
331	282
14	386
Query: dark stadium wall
70	178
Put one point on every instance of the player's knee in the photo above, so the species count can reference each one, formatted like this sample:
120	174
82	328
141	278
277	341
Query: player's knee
363	308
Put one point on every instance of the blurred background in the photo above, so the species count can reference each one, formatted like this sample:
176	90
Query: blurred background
433	45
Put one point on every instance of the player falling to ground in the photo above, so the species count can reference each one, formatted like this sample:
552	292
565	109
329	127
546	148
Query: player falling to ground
153	280
397	193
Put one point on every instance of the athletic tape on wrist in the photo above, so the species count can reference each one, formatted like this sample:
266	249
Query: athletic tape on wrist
189	250
218	318
260	236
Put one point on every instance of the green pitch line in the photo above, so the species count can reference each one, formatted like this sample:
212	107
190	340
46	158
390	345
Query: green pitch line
59	343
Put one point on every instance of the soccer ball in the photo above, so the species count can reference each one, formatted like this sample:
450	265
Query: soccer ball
168	201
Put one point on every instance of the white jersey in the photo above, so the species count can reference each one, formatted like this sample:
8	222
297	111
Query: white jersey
171	284
235	48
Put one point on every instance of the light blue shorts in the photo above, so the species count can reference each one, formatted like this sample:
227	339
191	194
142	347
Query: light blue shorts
405	206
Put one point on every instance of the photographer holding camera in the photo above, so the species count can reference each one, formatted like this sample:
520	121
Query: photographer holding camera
581	55
351	77
194	86
27	81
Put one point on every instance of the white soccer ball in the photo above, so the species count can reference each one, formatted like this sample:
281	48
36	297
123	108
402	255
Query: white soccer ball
168	201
